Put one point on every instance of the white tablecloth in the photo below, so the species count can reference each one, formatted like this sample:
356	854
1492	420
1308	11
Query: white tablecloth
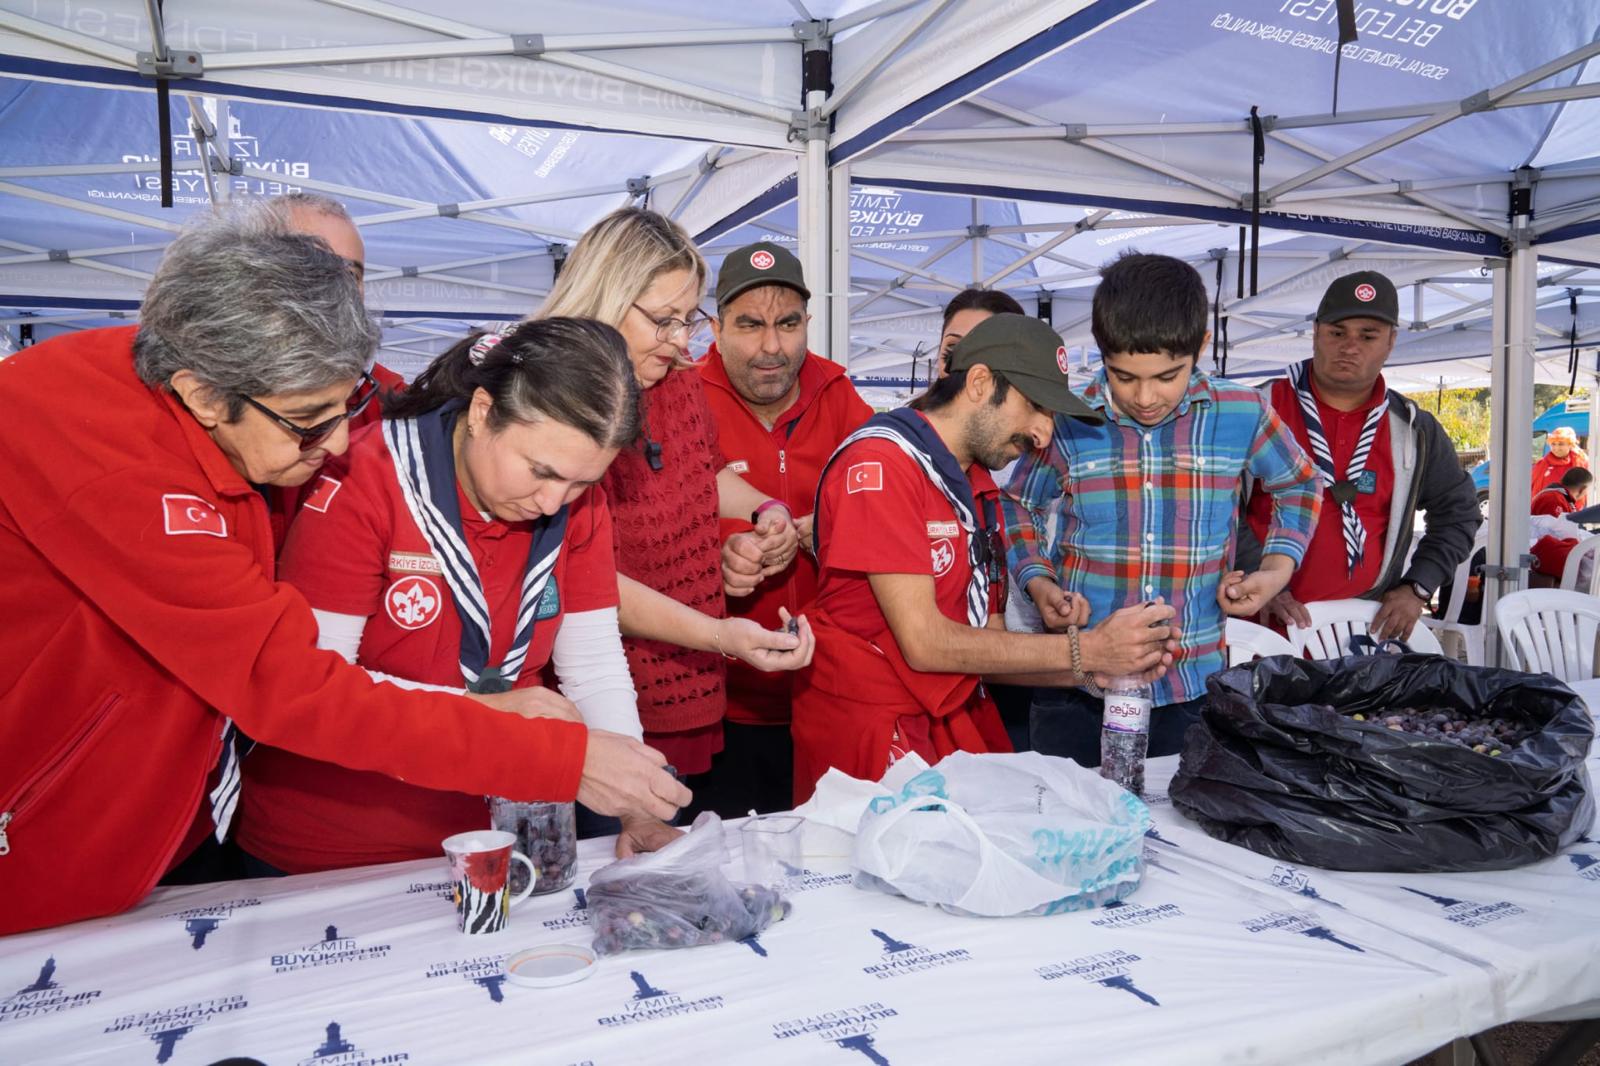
1221	956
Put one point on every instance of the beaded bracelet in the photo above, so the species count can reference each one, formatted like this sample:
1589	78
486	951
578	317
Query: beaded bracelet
1084	680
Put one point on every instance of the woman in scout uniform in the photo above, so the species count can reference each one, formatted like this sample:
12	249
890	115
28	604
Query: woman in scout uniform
461	549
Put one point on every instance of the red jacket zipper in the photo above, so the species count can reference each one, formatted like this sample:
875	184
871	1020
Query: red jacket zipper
46	775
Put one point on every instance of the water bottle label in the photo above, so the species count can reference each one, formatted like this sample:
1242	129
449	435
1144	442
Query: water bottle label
1126	714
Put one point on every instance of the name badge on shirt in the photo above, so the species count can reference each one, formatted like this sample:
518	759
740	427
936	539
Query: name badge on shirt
549	602
738	466
414	563
1367	483
943	529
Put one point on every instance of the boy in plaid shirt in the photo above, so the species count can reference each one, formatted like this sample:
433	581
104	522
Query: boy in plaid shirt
1145	506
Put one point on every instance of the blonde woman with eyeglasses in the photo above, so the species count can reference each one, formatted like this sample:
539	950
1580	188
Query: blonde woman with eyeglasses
639	272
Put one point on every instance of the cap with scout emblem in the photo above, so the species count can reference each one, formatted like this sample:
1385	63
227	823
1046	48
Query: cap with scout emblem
1364	294
763	263
1030	355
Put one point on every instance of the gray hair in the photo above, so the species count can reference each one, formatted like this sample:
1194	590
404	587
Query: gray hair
314	202
252	310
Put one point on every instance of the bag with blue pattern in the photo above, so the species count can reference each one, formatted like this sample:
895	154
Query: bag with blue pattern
1000	835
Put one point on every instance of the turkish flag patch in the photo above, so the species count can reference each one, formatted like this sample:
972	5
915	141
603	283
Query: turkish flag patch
190	514
864	477
322	494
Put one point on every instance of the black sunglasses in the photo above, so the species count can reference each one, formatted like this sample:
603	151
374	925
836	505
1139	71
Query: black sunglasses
311	436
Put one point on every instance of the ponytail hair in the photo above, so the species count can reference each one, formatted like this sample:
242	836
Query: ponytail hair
574	371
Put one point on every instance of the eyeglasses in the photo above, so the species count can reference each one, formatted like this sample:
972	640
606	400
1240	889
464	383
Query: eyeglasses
667	328
311	436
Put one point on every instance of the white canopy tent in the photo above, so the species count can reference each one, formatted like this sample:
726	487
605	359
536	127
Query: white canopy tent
1466	131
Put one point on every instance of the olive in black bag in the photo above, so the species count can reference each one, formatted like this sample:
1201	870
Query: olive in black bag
1277	765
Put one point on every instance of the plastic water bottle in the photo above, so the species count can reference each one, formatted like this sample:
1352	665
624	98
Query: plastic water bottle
1125	732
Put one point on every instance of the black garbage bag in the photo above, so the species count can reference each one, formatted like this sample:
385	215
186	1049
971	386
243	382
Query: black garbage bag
1276	765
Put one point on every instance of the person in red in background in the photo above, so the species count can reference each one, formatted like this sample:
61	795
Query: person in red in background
326	219
476	498
1563	455
781	411
907	526
144	625
1565	495
1381	459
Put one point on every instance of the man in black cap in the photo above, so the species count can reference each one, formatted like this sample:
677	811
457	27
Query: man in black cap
780	412
907	529
1380	460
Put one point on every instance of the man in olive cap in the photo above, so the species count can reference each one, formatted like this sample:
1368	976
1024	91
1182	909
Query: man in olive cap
907	528
1380	459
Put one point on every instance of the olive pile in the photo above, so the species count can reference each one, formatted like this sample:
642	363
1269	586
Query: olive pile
664	911
1487	736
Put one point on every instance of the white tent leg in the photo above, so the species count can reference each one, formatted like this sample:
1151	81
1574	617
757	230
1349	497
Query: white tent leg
1511	426
1594	417
812	200
838	335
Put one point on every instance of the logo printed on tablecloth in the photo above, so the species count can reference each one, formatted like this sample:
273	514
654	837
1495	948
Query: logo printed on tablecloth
338	1050
1297	881
321	496
166	1027
200	922
902	958
332	950
943	557
412	602
43	995
1588	866
577	915
650	1003
801	879
1120	914
442	889
847	1028
1108	969
1465	912
182	513
1303	924
486	971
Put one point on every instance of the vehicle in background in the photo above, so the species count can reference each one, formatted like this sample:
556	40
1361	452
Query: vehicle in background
1574	414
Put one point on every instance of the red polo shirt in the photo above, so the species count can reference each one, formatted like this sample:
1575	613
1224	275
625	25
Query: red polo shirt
1324	573
355	549
784	462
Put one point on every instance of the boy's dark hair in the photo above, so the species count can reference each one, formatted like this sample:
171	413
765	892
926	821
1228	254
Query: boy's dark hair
1576	478
944	390
1150	303
991	300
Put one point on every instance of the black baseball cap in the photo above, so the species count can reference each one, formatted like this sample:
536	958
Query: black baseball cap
1030	355
1364	294
762	263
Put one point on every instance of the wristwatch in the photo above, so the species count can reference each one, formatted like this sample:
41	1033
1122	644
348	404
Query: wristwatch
1425	595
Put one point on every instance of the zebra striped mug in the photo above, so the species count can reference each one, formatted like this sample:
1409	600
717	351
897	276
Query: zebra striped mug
480	865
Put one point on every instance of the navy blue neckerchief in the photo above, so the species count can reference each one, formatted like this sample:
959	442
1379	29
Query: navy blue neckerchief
424	462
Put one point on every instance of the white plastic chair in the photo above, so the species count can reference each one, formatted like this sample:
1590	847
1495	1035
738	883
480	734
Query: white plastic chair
1247	641
1473	637
1334	622
1586	548
1549	631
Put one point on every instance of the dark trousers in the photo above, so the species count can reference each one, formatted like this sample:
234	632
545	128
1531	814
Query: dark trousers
1014	703
754	770
1066	722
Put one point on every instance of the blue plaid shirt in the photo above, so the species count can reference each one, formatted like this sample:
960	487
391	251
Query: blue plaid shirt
1122	513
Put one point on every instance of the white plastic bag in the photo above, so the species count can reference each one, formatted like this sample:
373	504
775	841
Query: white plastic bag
999	835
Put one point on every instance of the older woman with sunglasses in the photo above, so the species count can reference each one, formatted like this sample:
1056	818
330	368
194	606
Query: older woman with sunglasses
142	616
638	271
